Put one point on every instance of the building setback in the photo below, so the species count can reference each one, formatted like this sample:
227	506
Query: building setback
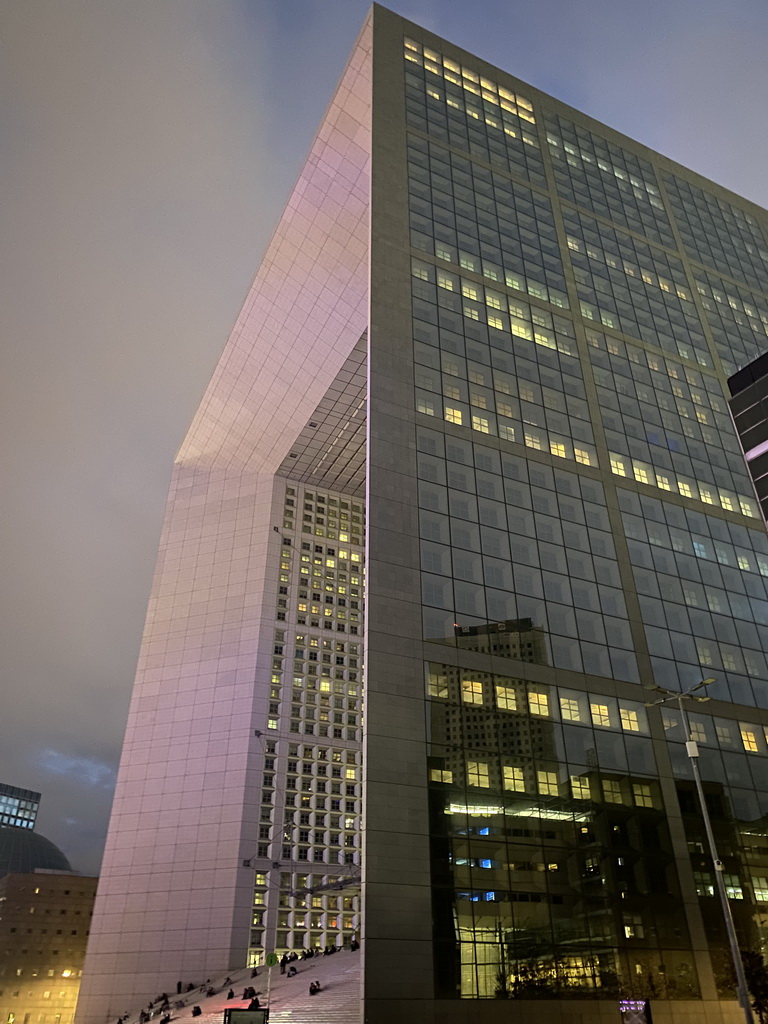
484	362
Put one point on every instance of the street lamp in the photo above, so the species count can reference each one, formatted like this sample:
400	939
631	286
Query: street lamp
692	750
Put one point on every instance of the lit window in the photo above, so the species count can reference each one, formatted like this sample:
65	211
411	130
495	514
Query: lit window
471	691
444	281
569	709
506	432
612	791
726	502
558	448
641	474
600	714
633	926
547	783
582	456
663	482
684	488
629	720
481	424
513	779
733	888
440	775
642	794
469	291
580	788
477	774
749	739
426	406
453	415
617	465
506	698
760	888
538	704
471	312
497	322
420	271
532	440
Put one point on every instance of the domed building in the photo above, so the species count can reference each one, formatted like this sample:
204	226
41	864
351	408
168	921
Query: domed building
23	851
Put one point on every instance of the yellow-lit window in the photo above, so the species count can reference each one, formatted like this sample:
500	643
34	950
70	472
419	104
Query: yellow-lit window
472	313
532	440
760	888
629	720
506	698
685	489
271	723
547	782
663	482
749	740
444	281
641	474
494	301
617	465
453	415
469	291
582	456
437	685
513	779
477	774
747	508
569	709
600	714
507	433
471	691
558	448
743	562
580	788
726	502
440	775
481	424
706	495
497	322
642	794
612	791
538	704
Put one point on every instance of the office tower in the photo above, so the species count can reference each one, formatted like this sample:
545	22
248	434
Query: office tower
18	807
507	330
46	915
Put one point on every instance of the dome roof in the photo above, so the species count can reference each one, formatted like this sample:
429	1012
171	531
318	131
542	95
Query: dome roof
22	850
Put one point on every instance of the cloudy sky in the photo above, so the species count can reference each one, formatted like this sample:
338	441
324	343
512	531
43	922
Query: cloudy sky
147	149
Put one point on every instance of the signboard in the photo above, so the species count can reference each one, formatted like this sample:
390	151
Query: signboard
635	1011
234	1015
272	959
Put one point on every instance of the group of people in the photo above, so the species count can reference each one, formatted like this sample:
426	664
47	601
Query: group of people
314	988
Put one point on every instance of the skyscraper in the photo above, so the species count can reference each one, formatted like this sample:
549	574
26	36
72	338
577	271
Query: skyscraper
484	363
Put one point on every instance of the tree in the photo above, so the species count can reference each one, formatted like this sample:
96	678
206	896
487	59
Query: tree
756	974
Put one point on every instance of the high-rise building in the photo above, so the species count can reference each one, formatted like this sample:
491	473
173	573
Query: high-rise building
487	351
18	807
45	916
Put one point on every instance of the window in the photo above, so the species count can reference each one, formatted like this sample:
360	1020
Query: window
506	698
477	774
569	709
471	691
513	779
440	775
453	415
547	783
749	739
633	926
760	889
642	794
733	888
629	720
600	715
580	788
538	704
612	791
481	424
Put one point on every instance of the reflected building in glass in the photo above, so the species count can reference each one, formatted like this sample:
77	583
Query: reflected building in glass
499	334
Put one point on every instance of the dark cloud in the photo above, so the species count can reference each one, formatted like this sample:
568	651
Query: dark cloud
147	150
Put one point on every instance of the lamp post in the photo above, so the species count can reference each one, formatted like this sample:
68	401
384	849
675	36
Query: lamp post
692	749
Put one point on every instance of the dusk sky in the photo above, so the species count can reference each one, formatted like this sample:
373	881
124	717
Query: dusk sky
148	147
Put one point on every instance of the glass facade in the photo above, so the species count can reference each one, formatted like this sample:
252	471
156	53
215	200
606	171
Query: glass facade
588	526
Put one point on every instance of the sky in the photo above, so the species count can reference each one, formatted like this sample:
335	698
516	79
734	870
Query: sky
148	147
